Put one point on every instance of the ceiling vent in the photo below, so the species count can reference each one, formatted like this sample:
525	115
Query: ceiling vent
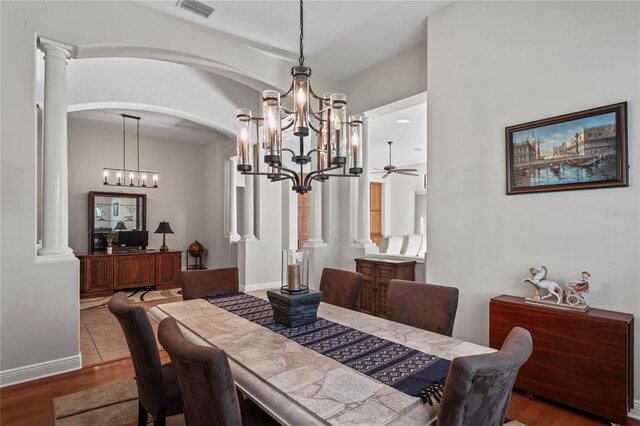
196	7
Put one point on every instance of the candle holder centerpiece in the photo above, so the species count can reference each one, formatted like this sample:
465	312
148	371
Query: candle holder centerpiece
295	304
295	272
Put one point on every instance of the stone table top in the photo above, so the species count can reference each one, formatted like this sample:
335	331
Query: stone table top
297	385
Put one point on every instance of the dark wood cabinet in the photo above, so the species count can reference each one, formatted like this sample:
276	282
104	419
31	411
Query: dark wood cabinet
168	269
101	274
375	286
582	359
95	274
134	270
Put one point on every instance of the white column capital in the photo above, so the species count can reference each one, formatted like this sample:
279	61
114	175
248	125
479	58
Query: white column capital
56	49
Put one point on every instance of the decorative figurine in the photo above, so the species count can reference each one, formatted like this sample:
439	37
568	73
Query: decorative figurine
571	298
539	280
577	290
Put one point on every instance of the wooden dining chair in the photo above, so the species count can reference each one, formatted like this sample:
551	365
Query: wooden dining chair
206	382
158	391
209	282
426	306
340	288
478	387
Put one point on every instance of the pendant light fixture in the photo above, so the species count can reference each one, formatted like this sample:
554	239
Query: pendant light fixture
130	177
293	110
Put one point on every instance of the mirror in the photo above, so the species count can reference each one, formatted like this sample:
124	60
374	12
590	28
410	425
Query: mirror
115	212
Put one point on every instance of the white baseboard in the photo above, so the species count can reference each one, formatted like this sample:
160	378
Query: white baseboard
635	411
40	370
260	286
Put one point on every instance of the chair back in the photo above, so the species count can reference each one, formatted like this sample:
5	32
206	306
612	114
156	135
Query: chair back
340	288
208	282
394	245
411	245
478	387
427	306
144	353
206	383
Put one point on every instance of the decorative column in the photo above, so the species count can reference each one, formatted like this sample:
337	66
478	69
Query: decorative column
364	225
55	221
249	221
232	208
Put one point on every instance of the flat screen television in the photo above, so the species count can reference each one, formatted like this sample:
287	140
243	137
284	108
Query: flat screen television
133	239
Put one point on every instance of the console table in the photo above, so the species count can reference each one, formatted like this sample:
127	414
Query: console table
101	274
582	359
375	284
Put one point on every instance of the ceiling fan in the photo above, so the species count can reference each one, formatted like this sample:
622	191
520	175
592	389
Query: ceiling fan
393	169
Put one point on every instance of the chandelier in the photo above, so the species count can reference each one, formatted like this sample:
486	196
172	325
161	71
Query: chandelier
338	139
130	177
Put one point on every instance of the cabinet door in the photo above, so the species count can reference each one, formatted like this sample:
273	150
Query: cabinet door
134	271
168	269
384	274
97	274
367	299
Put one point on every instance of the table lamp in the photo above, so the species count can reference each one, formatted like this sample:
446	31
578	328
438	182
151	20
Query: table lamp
164	229
120	226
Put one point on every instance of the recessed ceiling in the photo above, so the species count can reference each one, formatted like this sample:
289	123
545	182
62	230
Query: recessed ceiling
409	139
152	125
341	38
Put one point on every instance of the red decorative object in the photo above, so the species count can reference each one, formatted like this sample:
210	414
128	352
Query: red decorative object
196	250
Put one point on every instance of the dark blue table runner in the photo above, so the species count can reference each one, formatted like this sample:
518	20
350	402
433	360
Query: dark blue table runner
407	370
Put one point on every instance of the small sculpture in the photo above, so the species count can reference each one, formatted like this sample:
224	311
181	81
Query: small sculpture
577	290
539	281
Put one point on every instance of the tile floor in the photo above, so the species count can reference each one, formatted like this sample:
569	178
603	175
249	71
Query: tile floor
101	338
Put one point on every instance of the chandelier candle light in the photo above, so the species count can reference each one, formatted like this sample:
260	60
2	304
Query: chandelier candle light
130	177
293	110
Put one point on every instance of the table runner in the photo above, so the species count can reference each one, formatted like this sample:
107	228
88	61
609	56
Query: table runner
408	370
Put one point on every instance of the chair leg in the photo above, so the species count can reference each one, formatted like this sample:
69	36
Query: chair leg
160	422
142	415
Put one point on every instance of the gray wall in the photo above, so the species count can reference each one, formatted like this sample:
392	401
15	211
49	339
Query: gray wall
496	64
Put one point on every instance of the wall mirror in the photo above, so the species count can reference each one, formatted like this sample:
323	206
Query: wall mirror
115	212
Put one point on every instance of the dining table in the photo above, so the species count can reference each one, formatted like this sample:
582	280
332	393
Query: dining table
299	386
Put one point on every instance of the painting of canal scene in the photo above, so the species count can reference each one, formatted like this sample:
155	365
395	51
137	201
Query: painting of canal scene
581	150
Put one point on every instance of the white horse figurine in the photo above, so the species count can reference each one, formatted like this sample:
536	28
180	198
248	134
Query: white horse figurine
539	280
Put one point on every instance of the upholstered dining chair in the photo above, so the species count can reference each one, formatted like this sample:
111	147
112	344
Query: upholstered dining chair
427	306
478	387
206	382
158	391
208	282
340	288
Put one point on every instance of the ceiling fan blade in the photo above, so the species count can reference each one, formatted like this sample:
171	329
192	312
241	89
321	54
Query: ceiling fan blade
406	173
387	174
381	171
406	170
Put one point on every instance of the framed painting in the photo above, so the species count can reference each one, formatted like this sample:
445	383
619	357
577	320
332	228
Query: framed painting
581	150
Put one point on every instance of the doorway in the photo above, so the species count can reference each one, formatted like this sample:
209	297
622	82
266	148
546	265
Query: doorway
375	215
303	219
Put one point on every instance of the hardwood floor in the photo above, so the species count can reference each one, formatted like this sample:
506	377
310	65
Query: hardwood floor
31	403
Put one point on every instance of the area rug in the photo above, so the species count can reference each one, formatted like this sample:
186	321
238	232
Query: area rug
114	404
134	295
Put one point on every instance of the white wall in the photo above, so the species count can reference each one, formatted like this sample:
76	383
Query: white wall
496	64
178	198
212	195
398	78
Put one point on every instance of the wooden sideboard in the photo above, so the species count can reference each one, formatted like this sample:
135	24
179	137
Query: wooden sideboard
582	359
101	274
375	286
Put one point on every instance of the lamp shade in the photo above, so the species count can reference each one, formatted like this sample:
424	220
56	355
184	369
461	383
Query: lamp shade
120	226
164	228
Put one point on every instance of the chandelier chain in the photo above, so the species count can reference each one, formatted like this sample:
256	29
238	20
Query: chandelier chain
301	59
